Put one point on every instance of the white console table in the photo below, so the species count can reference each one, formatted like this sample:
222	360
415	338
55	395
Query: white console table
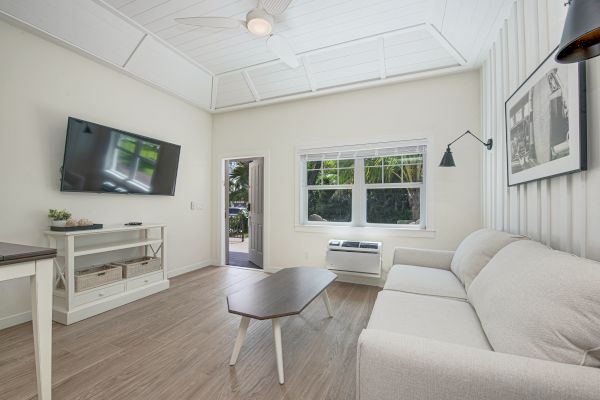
70	306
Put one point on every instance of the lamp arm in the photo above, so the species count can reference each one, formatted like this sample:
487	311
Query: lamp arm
488	144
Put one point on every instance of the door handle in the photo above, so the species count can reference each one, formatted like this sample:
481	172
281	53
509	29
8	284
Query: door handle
248	207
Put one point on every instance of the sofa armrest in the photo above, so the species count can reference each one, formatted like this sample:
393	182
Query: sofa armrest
391	366
423	257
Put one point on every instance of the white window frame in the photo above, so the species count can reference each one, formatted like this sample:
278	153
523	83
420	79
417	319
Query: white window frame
359	188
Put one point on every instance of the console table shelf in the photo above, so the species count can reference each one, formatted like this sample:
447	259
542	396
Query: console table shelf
70	306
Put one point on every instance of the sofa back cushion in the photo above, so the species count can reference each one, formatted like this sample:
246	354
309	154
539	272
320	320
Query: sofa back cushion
542	303
476	250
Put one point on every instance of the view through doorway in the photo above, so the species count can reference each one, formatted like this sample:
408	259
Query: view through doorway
244	212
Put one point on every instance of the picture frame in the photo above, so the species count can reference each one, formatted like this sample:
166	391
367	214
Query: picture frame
546	123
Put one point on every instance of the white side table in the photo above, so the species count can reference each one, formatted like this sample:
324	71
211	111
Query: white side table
18	261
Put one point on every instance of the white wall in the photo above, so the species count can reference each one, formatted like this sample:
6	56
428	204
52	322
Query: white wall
561	211
41	84
438	109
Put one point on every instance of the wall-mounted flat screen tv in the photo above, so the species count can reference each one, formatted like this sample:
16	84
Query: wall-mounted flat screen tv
101	159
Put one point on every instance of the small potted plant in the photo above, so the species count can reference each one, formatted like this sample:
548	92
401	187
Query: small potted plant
59	217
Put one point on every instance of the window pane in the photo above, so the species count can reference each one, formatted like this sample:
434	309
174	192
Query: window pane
144	172
372	162
150	151
346	176
373	175
412	159
413	173
346	163
330	164
327	177
330	205
124	162
393	206
392	174
313	165
312	176
127	143
393	160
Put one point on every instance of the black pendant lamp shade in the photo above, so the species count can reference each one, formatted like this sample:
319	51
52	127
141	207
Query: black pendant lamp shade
581	35
447	159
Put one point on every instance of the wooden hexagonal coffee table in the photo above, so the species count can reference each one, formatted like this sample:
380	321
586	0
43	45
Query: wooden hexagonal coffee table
286	292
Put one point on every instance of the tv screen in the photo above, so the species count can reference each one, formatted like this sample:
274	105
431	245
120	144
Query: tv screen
102	159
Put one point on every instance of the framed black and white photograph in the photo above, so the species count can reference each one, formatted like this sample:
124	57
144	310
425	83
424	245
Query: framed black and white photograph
546	123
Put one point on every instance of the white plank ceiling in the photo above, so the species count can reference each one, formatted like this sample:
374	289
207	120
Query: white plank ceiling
343	44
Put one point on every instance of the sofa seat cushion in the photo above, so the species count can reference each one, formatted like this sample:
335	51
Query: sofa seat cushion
430	317
423	280
476	250
537	302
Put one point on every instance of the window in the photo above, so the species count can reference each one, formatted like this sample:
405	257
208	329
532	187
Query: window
375	185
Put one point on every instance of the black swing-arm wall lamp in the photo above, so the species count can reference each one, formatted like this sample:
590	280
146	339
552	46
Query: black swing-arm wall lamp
448	159
581	34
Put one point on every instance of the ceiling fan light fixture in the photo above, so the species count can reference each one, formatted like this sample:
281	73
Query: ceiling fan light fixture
259	22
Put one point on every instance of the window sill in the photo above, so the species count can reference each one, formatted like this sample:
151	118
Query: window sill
367	231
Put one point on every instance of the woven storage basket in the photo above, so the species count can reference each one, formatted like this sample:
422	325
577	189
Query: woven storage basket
139	266
97	276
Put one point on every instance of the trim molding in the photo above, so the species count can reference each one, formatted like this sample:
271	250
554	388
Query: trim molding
341	277
188	268
16	319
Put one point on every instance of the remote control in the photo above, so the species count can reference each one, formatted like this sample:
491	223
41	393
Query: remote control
133	223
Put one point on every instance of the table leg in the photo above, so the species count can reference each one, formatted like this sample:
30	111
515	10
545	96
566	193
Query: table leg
327	303
239	341
278	349
41	312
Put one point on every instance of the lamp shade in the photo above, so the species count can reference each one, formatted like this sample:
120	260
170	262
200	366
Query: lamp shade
581	34
447	159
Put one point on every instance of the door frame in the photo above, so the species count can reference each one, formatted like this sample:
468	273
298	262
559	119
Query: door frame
221	234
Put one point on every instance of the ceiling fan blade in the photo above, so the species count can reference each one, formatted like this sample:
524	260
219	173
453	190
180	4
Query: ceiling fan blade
211	22
282	49
275	7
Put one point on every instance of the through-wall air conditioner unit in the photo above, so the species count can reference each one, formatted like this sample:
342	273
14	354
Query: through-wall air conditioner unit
354	256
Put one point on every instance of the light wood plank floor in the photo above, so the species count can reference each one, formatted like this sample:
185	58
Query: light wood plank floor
176	345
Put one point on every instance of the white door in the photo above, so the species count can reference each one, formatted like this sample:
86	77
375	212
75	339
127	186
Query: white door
256	212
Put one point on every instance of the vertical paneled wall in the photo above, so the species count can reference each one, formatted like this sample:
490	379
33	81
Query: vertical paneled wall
560	212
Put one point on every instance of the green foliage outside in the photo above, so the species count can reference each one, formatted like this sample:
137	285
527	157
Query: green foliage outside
238	223
239	181
238	193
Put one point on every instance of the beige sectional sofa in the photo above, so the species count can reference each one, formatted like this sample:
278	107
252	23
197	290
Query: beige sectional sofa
501	318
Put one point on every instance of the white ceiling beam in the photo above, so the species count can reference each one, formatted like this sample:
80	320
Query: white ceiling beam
407	29
445	43
381	54
134	50
309	73
251	86
437	13
147	32
213	94
354	86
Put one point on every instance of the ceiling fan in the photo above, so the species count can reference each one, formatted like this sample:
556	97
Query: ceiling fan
259	22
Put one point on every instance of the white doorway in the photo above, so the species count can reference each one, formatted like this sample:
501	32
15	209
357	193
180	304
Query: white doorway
244	212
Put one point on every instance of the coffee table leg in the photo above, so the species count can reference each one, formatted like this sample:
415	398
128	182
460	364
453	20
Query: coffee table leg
327	303
239	341
278	349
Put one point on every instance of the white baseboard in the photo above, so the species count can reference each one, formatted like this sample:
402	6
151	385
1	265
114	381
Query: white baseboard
359	280
189	268
341	277
17	319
